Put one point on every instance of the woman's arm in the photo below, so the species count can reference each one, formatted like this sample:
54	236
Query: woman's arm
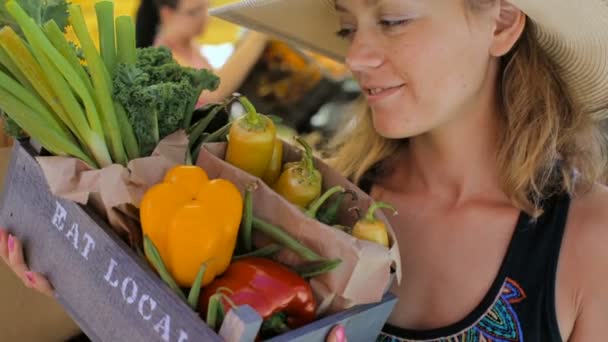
233	73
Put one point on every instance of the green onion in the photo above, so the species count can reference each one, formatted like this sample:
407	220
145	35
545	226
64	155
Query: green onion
11	67
52	140
126	130
102	85
37	107
105	23
57	38
125	40
25	62
59	69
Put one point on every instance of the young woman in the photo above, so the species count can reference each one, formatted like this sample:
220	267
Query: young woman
177	25
482	131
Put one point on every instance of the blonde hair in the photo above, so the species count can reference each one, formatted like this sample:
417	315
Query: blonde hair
547	144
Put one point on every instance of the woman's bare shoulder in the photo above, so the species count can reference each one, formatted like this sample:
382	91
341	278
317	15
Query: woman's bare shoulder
585	264
589	214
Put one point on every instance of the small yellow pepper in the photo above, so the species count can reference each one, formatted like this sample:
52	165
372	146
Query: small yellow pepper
276	163
300	182
192	220
251	141
370	228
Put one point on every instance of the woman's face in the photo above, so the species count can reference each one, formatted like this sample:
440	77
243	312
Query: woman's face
188	20
420	63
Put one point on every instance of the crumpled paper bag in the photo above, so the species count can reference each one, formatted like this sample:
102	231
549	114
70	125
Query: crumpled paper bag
367	268
115	191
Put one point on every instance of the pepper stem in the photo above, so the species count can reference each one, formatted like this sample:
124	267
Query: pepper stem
316	204
307	157
370	215
275	324
252	118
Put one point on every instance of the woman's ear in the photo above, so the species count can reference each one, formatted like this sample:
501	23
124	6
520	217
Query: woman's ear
509	26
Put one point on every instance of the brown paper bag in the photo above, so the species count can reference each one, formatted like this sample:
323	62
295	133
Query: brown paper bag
115	191
367	268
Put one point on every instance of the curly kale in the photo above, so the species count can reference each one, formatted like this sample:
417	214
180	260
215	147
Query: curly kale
151	57
174	111
158	94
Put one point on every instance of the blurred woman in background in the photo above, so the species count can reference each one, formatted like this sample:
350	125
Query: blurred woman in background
177	25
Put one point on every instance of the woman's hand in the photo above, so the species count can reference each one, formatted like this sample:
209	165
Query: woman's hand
337	334
11	251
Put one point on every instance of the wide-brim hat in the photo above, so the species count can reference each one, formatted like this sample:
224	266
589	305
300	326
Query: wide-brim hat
574	33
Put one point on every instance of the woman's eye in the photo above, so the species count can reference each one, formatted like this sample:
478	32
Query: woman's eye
344	33
393	23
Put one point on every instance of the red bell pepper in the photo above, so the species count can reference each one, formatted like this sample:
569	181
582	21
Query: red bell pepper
270	288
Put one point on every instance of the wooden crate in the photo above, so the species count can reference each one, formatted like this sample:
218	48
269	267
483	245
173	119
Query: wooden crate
110	291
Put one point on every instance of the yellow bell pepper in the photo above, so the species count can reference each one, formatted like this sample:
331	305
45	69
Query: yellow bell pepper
192	220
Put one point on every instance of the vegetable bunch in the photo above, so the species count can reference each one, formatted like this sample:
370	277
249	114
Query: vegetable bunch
191	225
252	147
158	94
73	98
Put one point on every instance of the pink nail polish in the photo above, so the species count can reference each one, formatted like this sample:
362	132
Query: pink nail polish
11	243
340	334
30	277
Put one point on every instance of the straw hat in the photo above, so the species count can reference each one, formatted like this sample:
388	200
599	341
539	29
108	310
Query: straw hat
573	32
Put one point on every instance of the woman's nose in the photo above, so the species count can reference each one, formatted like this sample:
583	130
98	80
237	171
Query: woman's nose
363	53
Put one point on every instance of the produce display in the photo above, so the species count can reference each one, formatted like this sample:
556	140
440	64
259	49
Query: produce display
116	105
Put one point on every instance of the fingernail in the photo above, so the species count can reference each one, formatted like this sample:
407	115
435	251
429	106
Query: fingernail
340	334
30	277
11	243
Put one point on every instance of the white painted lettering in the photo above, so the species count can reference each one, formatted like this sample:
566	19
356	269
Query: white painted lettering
59	217
125	285
182	336
90	245
163	327
145	298
110	272
73	234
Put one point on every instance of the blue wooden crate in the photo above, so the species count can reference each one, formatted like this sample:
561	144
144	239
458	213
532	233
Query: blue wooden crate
110	291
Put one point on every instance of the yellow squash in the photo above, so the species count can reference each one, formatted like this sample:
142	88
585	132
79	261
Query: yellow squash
192	220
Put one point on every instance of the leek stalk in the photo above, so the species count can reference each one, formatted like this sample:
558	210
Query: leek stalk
107	43
103	89
50	139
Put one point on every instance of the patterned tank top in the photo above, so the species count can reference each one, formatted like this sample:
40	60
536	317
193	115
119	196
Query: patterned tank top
520	304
